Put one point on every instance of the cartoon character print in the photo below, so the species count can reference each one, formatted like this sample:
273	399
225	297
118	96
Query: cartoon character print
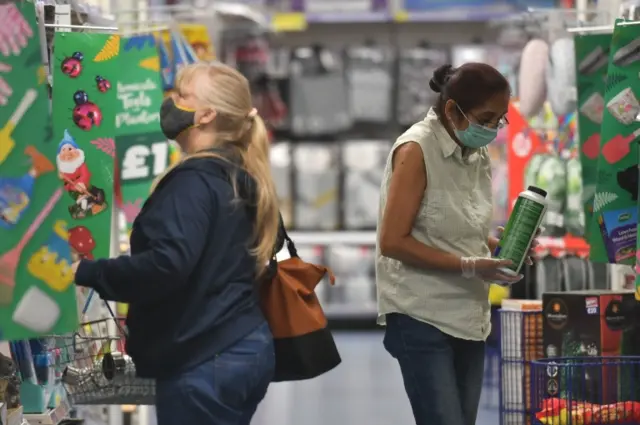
73	171
52	262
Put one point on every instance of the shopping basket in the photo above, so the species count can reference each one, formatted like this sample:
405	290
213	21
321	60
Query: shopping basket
586	391
94	368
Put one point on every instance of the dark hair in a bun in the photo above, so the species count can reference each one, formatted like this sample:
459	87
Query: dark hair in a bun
441	75
469	86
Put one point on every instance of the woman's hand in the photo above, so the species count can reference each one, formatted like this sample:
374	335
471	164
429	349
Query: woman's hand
74	268
488	269
529	260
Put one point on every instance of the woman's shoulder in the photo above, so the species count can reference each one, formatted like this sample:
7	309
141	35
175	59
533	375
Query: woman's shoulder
423	133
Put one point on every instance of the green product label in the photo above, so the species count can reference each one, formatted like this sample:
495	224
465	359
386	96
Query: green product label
592	56
522	225
84	107
143	152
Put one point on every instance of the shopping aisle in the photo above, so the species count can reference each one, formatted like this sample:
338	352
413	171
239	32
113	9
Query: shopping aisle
365	389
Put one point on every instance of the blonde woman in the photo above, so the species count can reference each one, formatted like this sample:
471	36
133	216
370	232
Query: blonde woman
197	250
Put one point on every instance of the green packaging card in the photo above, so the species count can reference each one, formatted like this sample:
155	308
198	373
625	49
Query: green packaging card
142	150
613	228
592	57
637	267
84	106
37	295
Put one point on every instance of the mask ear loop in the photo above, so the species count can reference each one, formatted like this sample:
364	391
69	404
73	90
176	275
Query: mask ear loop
463	114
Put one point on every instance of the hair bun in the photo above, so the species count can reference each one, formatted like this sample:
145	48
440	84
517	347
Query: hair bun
441	75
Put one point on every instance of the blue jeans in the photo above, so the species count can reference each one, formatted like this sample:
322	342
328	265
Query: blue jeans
225	390
442	374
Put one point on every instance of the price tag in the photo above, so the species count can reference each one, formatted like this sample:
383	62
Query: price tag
142	157
289	22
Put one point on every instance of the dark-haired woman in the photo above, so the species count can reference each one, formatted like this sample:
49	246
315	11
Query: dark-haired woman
434	246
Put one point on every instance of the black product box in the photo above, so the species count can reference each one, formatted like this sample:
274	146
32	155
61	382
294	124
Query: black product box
583	326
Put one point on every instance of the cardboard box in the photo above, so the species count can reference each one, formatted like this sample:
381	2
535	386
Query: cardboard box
521	343
583	325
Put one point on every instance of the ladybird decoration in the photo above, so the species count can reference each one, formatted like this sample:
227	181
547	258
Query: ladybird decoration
86	114
103	84
72	66
80	97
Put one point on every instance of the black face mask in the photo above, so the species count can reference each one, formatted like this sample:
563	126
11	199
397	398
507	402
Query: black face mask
174	119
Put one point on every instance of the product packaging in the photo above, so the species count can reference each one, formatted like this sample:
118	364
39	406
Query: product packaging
280	156
316	184
353	266
364	163
521	228
583	324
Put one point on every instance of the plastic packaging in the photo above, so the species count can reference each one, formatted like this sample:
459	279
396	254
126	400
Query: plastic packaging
521	228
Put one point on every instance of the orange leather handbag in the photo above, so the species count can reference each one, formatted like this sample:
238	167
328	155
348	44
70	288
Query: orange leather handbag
304	346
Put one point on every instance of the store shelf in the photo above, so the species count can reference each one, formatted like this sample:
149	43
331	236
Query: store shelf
349	17
298	21
329	238
454	15
52	417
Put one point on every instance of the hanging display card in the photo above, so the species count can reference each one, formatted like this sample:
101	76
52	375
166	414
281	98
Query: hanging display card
197	35
142	150
592	56
84	107
612	235
37	295
175	52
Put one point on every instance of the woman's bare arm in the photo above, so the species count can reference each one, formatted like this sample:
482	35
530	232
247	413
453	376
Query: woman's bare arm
406	189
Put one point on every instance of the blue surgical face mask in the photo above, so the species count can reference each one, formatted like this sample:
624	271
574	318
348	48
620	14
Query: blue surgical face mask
475	136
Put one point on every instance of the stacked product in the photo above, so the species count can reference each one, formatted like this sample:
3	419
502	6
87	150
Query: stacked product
521	343
588	324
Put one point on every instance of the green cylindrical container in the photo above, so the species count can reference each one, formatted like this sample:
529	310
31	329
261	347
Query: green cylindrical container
521	228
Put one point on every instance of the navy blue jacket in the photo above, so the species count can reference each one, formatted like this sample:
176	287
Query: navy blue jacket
190	281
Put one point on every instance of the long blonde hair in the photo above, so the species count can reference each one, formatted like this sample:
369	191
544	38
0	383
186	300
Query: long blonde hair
227	92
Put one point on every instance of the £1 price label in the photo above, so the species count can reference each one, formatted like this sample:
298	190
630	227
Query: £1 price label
144	161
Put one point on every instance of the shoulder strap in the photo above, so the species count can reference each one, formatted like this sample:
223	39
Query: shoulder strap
282	240
291	247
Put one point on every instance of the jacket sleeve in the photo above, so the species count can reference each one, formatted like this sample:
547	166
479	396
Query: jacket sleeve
177	225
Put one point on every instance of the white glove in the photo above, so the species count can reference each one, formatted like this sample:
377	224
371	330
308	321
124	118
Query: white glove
488	269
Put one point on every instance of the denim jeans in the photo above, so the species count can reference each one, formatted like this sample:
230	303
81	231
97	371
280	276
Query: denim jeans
225	390
442	374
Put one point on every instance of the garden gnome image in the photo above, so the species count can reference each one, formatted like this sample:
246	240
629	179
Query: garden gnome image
73	171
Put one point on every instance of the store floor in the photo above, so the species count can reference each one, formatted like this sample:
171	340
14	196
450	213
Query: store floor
366	389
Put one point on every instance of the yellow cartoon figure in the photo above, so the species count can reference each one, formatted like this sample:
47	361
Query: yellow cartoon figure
14	210
52	262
